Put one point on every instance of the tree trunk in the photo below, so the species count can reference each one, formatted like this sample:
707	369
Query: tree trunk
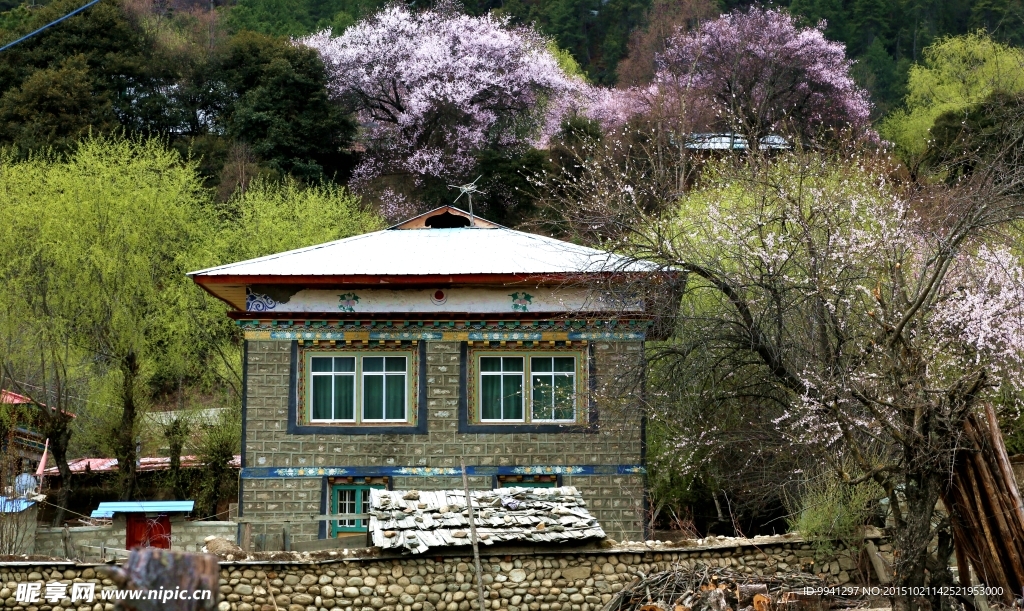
126	455
922	492
59	440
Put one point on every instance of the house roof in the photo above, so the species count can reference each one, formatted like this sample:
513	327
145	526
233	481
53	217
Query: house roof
14	505
414	253
419	520
12	398
107	510
155	463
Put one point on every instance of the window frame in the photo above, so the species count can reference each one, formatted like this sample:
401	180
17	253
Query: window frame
580	379
360	375
362	497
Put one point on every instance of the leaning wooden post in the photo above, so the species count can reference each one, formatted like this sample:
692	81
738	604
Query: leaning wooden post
472	537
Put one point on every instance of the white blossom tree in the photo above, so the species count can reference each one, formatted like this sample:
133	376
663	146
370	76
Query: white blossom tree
830	317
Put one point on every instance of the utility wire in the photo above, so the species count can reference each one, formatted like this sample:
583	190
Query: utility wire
31	34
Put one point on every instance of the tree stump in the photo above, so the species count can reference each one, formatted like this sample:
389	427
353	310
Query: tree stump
181	580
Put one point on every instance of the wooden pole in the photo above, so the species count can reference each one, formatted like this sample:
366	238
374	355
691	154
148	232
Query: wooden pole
472	537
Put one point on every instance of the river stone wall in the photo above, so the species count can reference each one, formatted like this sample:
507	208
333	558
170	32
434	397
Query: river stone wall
527	582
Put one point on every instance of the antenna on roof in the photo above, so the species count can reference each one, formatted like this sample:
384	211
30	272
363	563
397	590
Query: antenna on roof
468	190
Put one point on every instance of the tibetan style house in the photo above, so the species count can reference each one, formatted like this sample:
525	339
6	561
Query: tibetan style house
387	360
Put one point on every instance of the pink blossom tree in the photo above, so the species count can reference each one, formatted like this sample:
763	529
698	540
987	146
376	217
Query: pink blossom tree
435	88
763	74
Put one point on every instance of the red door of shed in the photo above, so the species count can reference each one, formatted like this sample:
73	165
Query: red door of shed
148	532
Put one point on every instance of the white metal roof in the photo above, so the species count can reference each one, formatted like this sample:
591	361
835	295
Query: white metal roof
454	251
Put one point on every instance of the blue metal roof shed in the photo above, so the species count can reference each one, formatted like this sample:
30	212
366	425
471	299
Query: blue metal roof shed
107	510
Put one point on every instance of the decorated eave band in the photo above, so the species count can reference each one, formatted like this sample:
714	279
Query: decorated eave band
370	330
468	299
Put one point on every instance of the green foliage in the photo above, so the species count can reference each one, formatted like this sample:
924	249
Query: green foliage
830	510
595	32
273	217
957	72
962	139
278	105
298	17
95	70
216	446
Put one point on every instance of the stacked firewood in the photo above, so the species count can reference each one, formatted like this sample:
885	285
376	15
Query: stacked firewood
985	507
705	588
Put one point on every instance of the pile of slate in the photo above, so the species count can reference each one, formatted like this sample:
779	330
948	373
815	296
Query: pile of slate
416	520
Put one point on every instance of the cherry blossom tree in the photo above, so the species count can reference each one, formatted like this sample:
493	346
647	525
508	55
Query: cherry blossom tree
434	88
763	74
831	320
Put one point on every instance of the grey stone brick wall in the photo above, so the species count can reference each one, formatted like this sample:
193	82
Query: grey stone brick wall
615	500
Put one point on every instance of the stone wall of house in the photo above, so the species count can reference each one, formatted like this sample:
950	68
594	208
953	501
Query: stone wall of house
524	582
85	542
616	500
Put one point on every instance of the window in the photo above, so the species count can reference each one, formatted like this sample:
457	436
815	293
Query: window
353	501
359	388
550	384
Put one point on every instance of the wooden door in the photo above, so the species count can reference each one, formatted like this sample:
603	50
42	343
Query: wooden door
144	531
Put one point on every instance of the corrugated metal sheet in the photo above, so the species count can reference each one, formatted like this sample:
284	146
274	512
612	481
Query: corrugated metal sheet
107	510
413	252
418	520
156	463
14	505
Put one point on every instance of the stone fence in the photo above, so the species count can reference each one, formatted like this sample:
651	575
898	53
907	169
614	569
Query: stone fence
88	542
538	580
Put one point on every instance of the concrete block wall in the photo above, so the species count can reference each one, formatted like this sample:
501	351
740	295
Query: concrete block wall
269	502
84	541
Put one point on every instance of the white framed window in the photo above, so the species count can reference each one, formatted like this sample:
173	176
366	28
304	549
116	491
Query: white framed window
359	387
541	387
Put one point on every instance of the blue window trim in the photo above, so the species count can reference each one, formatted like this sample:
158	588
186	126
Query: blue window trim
465	426
420	428
325	499
360	526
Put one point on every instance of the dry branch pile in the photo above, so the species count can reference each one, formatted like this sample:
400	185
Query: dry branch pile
986	509
710	589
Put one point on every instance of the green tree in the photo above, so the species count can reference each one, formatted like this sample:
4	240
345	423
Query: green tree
54	107
96	247
957	72
277	103
98	69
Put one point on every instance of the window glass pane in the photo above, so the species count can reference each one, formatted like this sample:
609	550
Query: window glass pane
565	364
373	363
564	397
345	363
364	506
490	396
512	363
322	396
321	363
540	364
490	363
373	396
394	394
346	504
344	397
542	396
513	396
395	363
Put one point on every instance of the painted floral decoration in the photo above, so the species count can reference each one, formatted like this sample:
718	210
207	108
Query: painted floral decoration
521	301
347	302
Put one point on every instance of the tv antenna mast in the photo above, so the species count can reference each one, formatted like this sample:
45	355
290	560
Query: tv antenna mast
468	190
